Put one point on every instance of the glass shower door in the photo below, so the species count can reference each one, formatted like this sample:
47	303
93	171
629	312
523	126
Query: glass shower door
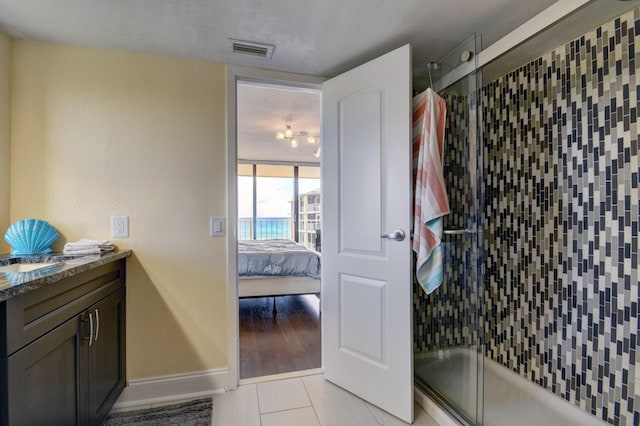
448	327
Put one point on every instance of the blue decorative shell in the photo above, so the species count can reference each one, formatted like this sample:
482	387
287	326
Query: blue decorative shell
30	236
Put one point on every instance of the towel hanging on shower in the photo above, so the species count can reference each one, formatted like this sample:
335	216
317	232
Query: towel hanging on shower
431	202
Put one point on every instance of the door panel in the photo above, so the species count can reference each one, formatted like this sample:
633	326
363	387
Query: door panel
366	280
358	112
364	339
107	356
43	379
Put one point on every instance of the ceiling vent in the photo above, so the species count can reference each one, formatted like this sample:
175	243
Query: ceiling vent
252	48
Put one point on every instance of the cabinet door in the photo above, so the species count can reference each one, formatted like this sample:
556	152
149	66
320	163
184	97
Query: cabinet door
44	379
106	373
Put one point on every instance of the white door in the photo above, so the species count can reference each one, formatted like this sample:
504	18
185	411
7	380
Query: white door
366	192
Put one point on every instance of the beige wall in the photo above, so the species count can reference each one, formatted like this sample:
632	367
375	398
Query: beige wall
97	133
5	117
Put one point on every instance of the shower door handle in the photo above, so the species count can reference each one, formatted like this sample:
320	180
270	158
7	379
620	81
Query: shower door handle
397	235
458	231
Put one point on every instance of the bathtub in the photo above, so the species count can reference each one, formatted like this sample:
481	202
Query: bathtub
508	397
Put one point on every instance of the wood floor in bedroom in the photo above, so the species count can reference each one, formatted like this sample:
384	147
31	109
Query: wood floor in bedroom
286	342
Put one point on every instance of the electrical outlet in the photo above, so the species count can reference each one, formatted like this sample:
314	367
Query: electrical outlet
120	226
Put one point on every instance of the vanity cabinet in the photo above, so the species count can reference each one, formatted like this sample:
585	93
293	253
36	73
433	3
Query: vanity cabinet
63	350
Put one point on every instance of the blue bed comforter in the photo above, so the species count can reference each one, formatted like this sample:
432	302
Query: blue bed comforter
276	258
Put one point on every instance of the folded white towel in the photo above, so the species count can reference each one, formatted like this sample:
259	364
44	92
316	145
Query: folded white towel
85	242
80	248
88	246
89	250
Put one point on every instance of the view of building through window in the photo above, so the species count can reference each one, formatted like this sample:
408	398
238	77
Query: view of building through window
309	224
273	216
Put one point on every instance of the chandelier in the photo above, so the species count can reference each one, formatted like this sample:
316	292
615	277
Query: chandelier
293	135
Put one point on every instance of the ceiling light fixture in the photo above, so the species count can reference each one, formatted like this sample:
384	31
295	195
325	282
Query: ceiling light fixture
291	135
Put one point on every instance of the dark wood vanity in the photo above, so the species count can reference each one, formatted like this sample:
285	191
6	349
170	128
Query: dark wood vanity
62	349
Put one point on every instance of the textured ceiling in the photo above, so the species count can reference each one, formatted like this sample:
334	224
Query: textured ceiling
318	37
263	111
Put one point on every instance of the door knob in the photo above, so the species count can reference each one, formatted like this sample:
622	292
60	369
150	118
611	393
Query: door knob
397	235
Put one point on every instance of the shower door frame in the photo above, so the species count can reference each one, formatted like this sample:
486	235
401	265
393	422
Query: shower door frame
474	232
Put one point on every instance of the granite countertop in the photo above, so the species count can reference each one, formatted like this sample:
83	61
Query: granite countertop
15	283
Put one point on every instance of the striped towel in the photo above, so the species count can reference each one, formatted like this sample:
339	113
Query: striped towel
431	202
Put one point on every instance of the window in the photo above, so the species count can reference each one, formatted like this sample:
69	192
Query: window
274	200
268	207
309	207
245	201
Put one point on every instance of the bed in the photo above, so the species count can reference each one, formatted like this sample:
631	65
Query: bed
270	268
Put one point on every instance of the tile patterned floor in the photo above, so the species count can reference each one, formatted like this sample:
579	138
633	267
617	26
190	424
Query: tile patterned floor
302	401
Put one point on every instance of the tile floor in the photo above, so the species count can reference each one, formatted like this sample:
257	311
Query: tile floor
301	401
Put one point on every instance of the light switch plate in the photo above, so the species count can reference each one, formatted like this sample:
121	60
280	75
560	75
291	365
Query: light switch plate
216	226
120	226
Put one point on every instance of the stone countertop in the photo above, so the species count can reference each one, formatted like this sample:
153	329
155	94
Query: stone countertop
16	283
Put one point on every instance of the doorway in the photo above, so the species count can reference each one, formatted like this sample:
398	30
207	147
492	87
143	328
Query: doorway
373	104
277	184
279	235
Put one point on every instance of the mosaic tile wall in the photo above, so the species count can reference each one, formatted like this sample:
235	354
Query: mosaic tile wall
562	218
561	152
444	319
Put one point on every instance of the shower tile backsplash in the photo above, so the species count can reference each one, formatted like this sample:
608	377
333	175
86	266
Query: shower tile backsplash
561	224
445	316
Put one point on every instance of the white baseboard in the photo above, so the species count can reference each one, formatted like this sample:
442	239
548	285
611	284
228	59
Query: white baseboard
434	410
158	390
